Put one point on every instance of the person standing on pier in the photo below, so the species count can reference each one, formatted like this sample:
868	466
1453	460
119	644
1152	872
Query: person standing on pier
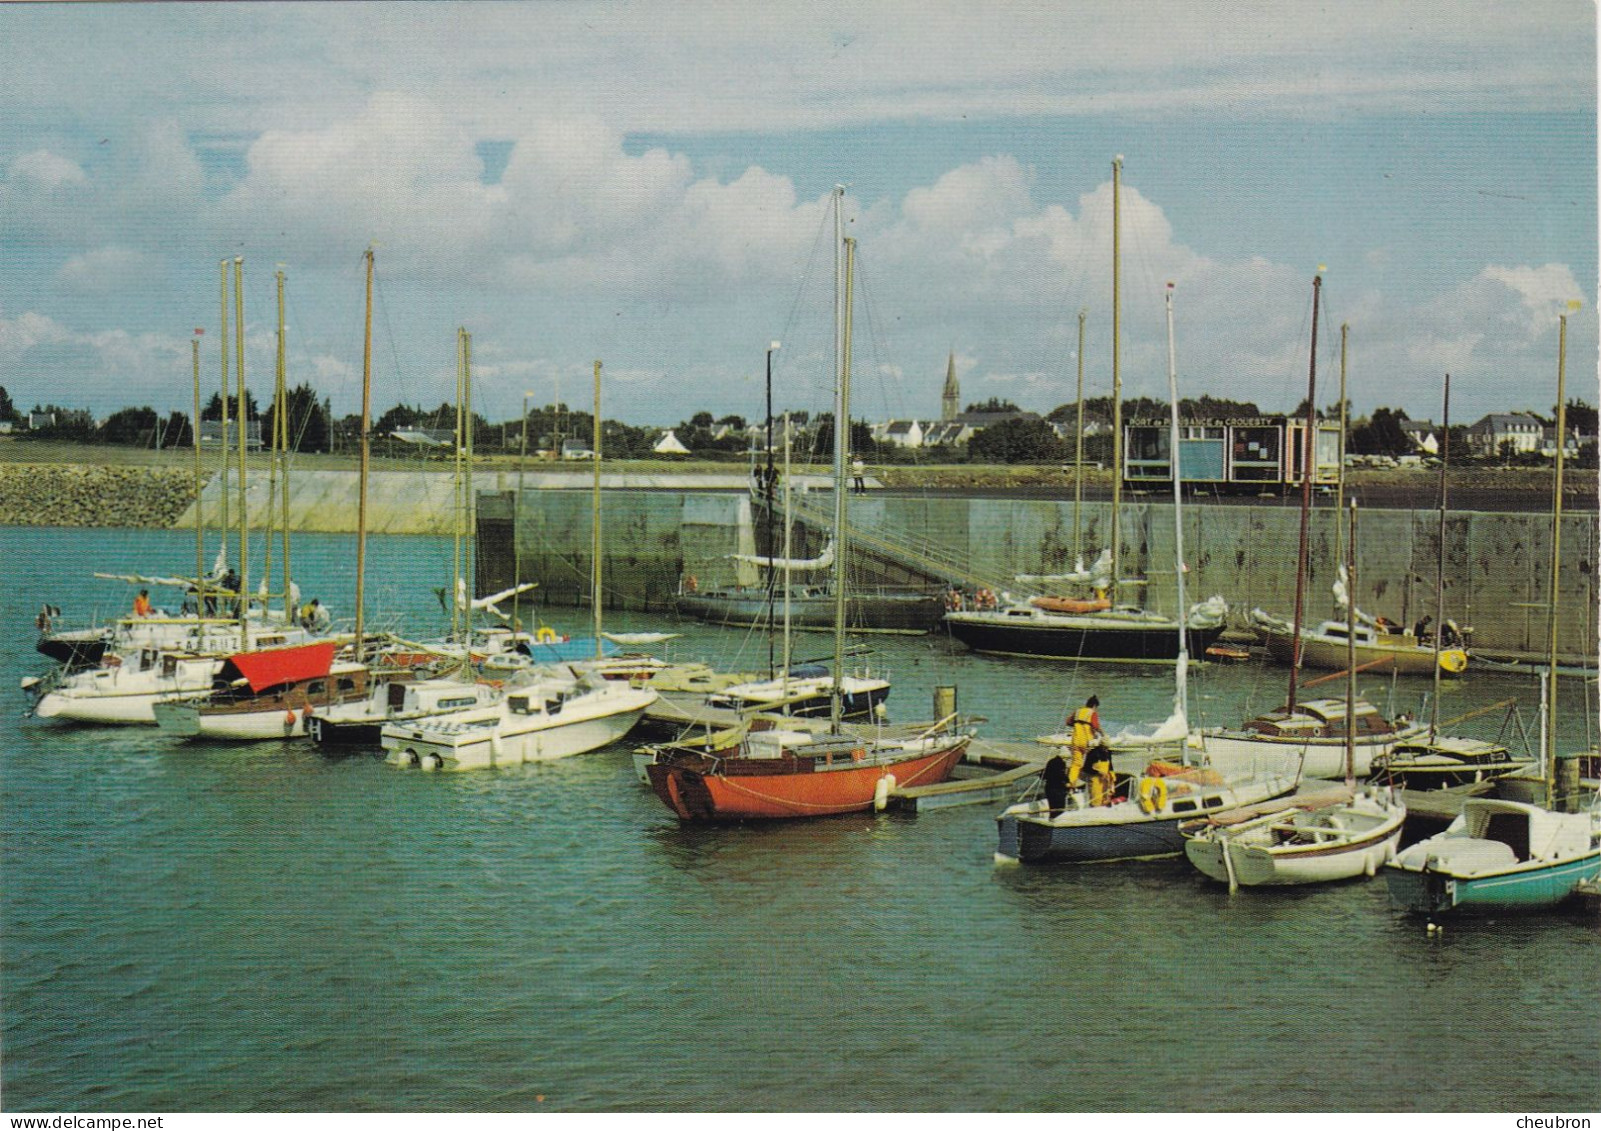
1086	724
1055	776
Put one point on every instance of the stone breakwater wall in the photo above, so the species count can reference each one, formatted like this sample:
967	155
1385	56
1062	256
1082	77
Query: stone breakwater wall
81	495
1497	565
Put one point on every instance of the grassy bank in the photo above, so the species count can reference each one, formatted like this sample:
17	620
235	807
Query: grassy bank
17	450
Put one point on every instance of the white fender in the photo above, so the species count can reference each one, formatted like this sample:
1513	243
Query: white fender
495	748
881	792
431	762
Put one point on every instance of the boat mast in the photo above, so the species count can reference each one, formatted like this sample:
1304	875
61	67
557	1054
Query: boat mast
1307	465
1117	370
1078	452
200	529
1181	671
222	446
1350	655
273	454
516	543
244	413
366	451
788	530
767	504
842	432
459	508
594	523
1339	478
282	414
469	540
841	441
1556	561
1439	565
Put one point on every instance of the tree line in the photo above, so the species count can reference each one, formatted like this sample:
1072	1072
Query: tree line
1024	438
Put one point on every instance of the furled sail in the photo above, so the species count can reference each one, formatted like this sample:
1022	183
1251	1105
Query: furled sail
822	561
1099	574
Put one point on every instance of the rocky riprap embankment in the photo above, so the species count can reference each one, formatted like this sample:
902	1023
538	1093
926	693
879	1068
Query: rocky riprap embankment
78	495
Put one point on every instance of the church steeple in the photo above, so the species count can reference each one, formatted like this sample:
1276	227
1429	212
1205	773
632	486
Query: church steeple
951	398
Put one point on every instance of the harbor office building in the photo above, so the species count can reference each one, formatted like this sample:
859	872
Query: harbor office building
1262	454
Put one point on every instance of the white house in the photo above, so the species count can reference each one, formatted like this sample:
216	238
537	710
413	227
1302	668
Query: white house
1548	443
902	433
1522	431
422	437
1424	435
211	434
670	445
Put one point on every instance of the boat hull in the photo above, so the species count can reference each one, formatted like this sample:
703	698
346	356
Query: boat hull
1257	865
1153	643
131	709
749	791
911	614
1330	655
513	741
1531	887
345	734
186	720
1322	758
1123	831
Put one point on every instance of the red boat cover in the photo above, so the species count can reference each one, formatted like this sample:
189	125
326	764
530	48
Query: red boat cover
271	667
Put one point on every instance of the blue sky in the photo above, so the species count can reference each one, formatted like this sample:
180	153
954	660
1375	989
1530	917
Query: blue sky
646	184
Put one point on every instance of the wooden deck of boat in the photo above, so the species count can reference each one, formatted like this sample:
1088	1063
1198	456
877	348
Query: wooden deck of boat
688	710
990	773
1442	805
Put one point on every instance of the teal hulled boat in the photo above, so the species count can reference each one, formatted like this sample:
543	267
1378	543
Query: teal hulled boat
1498	855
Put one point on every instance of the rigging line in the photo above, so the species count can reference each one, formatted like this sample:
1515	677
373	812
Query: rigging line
874	326
389	331
807	273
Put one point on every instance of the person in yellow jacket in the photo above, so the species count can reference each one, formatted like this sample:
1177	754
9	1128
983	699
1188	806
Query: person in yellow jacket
1103	782
1086	724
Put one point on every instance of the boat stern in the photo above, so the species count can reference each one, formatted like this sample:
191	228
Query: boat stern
179	718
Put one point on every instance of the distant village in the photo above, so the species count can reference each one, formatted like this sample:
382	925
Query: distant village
993	432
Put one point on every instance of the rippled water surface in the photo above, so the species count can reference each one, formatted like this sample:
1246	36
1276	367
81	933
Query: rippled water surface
189	926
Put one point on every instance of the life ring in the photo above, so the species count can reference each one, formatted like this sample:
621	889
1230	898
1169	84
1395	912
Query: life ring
546	635
113	661
1453	661
1153	794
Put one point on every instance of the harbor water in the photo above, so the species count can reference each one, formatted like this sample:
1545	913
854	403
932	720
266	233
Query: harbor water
199	927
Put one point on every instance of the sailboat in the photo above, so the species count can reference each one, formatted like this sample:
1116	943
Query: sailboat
117	675
1143	822
776	772
267	693
884	609
550	713
403	698
1436	761
1308	842
1095	627
1501	854
1376	643
1311	733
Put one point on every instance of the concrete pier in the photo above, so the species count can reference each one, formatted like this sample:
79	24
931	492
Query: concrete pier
1497	564
661	528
